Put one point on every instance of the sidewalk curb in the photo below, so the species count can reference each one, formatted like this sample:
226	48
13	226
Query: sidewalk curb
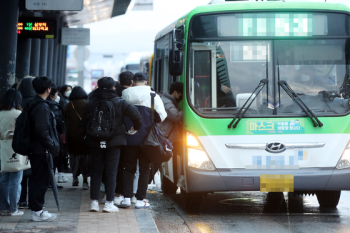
145	221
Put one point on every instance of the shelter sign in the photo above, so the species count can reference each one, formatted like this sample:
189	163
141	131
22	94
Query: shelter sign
37	28
75	36
55	5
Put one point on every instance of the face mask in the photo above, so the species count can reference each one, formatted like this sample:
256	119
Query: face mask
58	99
179	99
304	77
67	94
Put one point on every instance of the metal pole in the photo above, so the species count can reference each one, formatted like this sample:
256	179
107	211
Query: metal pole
64	80
35	57
59	65
8	44
50	59
23	58
43	57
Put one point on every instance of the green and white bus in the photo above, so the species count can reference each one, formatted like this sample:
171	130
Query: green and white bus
266	100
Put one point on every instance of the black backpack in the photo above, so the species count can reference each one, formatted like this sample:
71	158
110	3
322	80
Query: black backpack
21	138
102	125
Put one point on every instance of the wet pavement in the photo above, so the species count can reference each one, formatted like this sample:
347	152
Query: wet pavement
250	212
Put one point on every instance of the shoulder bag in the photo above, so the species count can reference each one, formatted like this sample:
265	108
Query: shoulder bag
156	146
10	160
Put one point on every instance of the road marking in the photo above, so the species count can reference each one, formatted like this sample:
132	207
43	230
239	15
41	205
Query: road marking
204	228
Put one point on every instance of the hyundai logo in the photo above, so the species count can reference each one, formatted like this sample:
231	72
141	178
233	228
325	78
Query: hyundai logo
275	147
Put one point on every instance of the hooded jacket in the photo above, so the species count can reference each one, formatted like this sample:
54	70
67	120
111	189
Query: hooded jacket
122	109
43	131
58	112
140	96
27	91
172	125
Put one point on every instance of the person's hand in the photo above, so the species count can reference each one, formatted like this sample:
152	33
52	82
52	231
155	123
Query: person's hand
132	131
225	89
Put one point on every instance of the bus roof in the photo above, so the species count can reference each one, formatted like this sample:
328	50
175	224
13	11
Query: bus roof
239	6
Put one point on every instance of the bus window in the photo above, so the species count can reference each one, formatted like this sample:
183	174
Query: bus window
202	79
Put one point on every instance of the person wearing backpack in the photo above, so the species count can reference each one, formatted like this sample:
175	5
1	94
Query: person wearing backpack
140	96
10	182
105	130
43	139
57	110
26	88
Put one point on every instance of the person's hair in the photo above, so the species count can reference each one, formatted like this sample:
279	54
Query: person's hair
14	86
53	91
41	84
176	86
19	83
11	99
125	78
77	94
106	83
64	88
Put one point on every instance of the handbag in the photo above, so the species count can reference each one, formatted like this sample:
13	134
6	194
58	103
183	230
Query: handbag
156	146
10	160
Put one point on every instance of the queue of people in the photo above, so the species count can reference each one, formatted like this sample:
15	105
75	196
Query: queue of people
101	132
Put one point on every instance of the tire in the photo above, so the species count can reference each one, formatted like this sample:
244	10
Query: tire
191	201
168	187
328	199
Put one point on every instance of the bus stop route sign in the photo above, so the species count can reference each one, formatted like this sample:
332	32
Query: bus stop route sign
55	5
45	28
75	36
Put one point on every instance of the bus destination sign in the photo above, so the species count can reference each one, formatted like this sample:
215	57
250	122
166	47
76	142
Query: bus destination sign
37	28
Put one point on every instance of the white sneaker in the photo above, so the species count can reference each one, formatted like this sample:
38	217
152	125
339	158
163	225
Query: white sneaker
62	179
110	208
142	205
133	200
43	217
117	200
17	213
94	206
104	199
124	203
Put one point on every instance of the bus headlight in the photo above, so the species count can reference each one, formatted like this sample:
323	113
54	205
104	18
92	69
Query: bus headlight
344	161
196	155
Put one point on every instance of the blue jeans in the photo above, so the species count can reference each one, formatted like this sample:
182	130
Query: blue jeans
10	190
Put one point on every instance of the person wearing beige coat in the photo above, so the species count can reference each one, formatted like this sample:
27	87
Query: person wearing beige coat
10	182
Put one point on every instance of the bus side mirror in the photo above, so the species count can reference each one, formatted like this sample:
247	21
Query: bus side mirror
176	54
176	62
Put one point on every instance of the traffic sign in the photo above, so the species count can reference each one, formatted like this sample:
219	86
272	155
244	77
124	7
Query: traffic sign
54	5
75	36
37	27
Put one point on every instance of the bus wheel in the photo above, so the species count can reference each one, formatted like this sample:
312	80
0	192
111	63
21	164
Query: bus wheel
328	199
168	187
191	201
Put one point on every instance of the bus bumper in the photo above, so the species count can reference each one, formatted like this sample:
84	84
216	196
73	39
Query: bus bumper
305	179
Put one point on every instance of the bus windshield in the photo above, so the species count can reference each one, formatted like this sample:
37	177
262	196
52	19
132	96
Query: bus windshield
223	74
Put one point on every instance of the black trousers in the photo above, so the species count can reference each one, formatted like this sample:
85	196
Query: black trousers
132	153
119	187
104	161
39	181
24	184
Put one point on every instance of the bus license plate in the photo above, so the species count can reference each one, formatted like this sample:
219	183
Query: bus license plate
276	183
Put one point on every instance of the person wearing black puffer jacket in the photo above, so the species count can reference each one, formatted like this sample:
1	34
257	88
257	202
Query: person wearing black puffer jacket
105	154
57	110
28	93
44	140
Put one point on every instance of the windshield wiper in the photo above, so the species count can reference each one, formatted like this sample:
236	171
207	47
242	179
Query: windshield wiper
240	114
300	103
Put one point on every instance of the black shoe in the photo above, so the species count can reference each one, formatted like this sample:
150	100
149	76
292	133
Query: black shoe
59	187
22	205
75	181
49	188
